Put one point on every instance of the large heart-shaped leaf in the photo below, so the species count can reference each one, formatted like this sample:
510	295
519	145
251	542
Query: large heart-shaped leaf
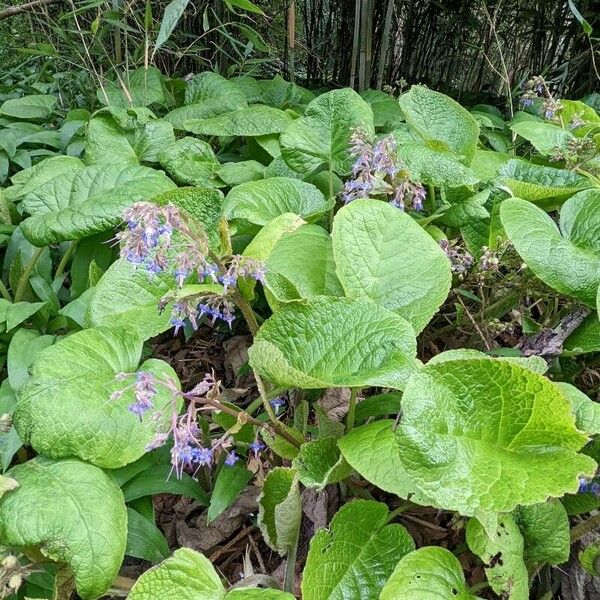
335	342
484	435
190	161
65	409
386	110
545	186
261	201
29	107
381	253
74	513
440	121
354	557
95	203
144	86
212	86
429	573
251	121
321	138
569	261
544	137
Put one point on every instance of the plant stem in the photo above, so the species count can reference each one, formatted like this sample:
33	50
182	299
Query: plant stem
5	293
398	511
351	409
247	311
290	565
24	280
62	265
265	400
579	530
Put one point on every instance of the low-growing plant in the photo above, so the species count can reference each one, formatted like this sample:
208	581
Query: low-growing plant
393	254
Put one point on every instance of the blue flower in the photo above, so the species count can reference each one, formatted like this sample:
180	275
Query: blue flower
257	446
202	456
178	323
231	459
278	403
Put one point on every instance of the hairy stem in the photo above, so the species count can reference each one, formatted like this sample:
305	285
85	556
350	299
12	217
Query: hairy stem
24	280
290	565
579	530
351	409
64	261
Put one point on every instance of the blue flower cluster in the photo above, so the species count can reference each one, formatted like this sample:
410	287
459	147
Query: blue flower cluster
537	89
378	171
589	487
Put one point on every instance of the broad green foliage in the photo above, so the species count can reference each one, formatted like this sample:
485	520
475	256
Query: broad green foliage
280	509
212	86
589	558
427	574
65	409
260	201
502	554
354	557
301	265
382	254
546	186
319	463
486	435
29	107
320	139
586	411
188	575
86	528
335	342
567	259
386	110
252	121
440	121
545	530
91	201
190	161
544	137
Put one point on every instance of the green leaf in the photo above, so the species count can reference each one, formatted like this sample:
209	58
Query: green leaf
589	558
466	209
381	464
205	109
485	435
159	479
545	529
354	557
502	554
321	138
544	137
144	87
586	411
586	338
235	173
245	5
252	121
29	107
65	409
334	342
319	463
212	86
280	509
546	186
433	167
15	314
10	442
381	253
258	594
261	201
186	575
587	28
429	573
171	16
144	539
230	482
301	266
386	110
440	121
24	347
98	195
74	513
567	262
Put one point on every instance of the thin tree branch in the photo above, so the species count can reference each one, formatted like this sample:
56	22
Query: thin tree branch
28	6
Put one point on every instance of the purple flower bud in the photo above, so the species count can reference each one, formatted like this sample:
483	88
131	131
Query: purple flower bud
257	446
231	459
202	456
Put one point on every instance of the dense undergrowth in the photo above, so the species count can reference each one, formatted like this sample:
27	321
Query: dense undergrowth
406	291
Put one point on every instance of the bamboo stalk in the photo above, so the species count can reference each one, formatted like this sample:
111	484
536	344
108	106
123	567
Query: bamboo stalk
291	39
385	42
355	41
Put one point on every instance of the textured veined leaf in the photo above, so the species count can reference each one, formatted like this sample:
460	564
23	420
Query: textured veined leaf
544	137
381	253
440	121
251	121
319	463
353	558
429	573
321	138
144	87
212	86
386	110
74	513
487	435
66	409
190	161
95	202
567	260
261	201
29	107
335	342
